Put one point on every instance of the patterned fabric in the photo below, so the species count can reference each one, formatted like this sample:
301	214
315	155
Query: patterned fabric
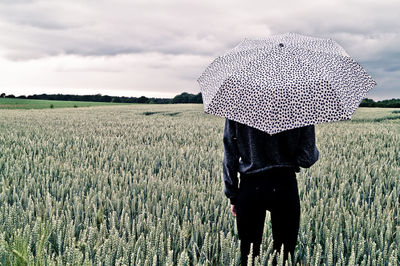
283	82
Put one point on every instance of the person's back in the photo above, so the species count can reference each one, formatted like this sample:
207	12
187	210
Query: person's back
249	150
267	165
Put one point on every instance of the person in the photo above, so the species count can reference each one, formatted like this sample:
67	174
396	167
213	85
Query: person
267	167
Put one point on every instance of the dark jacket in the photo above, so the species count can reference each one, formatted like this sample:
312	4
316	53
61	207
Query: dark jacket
249	150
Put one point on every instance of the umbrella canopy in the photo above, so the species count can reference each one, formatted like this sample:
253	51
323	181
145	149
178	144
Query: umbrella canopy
283	82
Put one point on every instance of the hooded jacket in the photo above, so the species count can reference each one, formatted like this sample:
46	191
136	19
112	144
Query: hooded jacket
249	150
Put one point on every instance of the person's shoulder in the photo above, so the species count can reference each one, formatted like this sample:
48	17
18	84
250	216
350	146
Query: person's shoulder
233	123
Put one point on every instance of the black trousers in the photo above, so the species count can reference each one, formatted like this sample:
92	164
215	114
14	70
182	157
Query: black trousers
276	191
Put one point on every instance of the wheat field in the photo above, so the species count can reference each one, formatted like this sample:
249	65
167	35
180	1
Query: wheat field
143	185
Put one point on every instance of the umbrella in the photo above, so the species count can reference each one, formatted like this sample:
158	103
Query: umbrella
284	81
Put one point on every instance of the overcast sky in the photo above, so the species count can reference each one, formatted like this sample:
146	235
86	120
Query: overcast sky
160	48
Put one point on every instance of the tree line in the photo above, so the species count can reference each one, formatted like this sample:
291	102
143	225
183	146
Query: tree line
181	98
393	103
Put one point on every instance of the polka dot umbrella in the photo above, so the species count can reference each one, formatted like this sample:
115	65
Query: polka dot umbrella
283	82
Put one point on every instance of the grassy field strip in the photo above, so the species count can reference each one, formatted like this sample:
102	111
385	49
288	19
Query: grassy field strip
16	103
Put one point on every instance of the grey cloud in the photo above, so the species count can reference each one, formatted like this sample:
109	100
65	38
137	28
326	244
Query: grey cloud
177	27
54	29
37	29
50	15
388	62
15	1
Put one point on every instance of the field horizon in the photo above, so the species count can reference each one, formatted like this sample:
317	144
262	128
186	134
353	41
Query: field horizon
16	103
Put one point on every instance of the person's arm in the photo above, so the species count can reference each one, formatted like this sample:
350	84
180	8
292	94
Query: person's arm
231	162
307	152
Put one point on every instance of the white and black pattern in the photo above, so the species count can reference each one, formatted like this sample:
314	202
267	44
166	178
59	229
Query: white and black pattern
283	82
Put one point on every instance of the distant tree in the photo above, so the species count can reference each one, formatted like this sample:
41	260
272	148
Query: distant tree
367	103
130	100
3	95
97	97
199	98
181	98
10	96
392	103
187	98
116	100
124	99
107	98
143	99
163	101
